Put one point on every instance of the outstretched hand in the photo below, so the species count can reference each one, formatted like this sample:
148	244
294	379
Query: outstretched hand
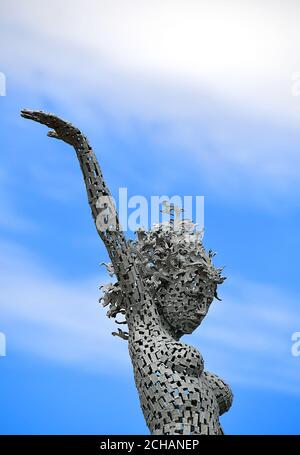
60	129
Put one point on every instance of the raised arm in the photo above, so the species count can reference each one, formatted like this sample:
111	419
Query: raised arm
99	197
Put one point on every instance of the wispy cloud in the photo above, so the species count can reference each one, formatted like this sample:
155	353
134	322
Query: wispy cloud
55	319
174	42
219	85
246	339
10	218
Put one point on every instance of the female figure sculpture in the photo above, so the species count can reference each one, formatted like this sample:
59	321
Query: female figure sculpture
165	285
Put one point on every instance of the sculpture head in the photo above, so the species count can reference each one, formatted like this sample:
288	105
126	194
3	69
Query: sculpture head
185	302
176	272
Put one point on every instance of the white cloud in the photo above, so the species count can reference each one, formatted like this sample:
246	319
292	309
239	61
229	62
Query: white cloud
229	49
55	319
222	68
246	339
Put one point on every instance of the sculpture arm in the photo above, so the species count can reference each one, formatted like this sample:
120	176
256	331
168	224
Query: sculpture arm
96	188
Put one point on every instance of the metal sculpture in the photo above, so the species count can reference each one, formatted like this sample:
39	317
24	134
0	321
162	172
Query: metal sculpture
165	285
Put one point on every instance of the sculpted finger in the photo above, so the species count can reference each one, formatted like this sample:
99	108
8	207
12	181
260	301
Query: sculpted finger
31	115
45	118
53	134
37	116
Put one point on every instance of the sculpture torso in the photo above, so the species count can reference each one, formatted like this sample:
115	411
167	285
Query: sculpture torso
176	394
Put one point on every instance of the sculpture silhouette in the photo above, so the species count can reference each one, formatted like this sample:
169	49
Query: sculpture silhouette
165	285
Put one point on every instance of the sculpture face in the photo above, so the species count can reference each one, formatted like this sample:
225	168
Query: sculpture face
186	300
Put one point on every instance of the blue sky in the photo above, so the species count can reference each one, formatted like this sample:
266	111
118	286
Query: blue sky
186	98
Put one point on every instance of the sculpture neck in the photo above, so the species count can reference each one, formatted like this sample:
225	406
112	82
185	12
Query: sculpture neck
144	320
